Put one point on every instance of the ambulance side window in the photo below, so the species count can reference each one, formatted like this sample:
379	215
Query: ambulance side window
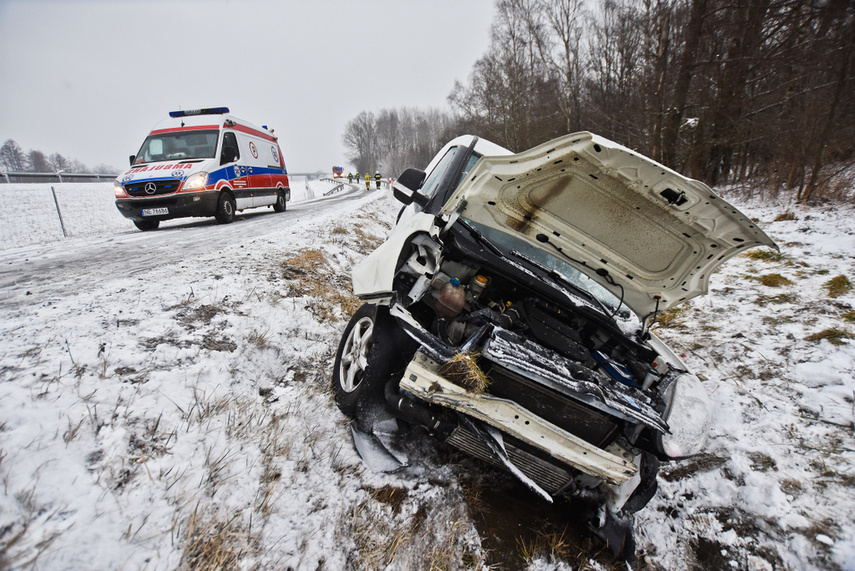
230	152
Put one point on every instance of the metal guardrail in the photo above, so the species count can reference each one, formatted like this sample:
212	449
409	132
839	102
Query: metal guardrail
54	176
335	189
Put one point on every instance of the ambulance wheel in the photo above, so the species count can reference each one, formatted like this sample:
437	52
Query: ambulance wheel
281	204
146	225
225	209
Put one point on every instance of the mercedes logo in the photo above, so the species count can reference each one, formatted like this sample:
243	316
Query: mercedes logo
150	188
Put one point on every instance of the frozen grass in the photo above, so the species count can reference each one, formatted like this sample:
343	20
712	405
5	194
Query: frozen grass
837	286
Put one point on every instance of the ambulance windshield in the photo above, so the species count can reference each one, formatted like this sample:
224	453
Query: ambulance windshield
178	145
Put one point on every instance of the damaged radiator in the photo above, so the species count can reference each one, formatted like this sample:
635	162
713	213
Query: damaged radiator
551	478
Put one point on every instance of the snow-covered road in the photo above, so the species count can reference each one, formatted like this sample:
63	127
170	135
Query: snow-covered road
45	270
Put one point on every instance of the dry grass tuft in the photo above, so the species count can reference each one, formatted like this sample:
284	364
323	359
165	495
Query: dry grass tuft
303	263
833	335
378	538
773	280
464	371
671	319
308	274
211	543
366	242
389	495
788	215
765	255
837	286
763	300
259	339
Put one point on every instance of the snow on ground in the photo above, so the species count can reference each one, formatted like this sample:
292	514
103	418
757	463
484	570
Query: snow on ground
173	411
776	488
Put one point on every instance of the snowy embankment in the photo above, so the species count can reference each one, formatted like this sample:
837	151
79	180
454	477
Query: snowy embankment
179	417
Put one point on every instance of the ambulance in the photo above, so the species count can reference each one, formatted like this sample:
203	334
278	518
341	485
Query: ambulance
203	162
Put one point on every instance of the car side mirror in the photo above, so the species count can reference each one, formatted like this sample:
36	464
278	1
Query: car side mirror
229	154
406	187
131	159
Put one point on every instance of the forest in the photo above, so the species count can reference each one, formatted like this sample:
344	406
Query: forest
752	92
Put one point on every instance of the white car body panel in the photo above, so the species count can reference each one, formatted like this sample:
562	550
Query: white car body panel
607	208
373	276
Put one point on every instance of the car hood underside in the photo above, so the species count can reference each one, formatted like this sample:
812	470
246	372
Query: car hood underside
622	219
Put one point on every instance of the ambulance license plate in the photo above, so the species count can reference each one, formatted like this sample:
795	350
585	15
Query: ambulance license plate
155	211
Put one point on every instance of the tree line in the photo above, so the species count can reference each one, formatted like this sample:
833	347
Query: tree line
722	91
14	159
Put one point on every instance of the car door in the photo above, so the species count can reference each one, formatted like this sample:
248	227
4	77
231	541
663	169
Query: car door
237	172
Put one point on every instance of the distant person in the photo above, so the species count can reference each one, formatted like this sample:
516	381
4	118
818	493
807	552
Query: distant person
350	177
367	181
377	178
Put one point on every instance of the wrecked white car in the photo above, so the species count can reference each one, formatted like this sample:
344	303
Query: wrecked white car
508	313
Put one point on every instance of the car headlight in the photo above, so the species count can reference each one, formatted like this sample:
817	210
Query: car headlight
688	414
119	190
195	182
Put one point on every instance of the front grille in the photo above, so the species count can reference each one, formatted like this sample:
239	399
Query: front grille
160	187
548	476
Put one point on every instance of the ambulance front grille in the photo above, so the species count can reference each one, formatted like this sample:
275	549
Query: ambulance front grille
152	187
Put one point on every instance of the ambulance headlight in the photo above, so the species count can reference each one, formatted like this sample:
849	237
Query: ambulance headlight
195	182
118	189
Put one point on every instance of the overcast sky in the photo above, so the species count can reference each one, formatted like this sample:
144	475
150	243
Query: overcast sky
88	79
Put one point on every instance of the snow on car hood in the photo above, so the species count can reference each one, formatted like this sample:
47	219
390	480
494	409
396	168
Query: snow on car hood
623	219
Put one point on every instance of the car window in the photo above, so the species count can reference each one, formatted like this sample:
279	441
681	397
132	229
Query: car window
473	158
230	142
432	182
178	145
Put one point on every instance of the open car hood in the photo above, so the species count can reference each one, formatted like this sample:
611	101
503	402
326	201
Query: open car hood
622	219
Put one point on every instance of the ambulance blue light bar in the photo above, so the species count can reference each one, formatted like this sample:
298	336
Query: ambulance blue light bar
208	111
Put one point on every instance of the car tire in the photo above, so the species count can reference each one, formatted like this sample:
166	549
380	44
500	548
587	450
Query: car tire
280	205
225	209
373	349
146	225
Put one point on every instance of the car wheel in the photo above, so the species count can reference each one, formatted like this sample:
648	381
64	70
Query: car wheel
373	349
280	204
225	209
146	225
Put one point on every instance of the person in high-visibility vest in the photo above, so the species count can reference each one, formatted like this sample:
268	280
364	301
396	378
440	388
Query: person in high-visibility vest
350	177
377	178
367	181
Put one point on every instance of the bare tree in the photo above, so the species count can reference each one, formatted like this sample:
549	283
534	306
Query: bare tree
395	139
12	156
360	139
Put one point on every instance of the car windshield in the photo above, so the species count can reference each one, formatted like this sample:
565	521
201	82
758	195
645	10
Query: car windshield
509	243
180	145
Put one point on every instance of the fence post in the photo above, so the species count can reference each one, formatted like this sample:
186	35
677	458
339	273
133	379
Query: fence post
59	213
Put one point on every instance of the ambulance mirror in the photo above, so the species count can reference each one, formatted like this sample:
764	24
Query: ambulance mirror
131	159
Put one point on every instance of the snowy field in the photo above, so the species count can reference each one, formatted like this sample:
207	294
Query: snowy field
164	403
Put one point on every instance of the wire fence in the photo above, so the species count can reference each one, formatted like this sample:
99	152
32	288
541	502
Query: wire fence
43	213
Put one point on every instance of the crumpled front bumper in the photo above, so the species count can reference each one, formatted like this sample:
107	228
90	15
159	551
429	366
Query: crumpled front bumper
423	381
